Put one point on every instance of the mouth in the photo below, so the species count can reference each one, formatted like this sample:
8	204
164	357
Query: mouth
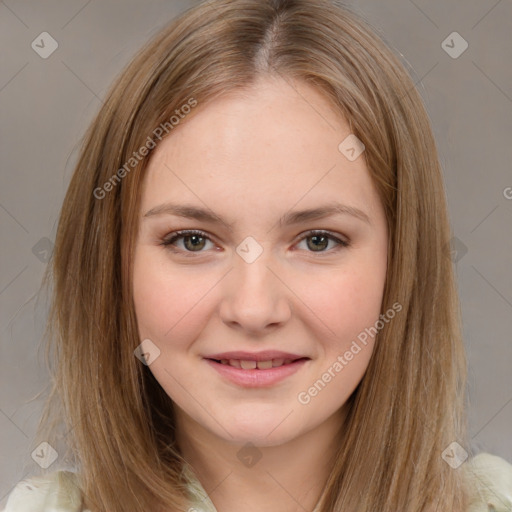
264	369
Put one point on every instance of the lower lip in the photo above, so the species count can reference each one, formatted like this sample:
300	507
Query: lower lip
257	378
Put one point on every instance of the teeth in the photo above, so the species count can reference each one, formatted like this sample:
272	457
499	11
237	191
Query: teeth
252	365
264	365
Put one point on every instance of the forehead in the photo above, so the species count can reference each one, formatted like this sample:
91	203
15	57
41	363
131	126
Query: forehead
277	141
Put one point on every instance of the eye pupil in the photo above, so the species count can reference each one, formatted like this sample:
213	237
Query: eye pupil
323	244
195	239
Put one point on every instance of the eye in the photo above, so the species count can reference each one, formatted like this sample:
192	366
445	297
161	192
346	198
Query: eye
193	240
318	241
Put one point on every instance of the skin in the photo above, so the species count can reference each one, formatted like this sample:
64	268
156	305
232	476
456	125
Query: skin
250	158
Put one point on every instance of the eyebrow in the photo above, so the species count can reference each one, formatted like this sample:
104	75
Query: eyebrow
289	218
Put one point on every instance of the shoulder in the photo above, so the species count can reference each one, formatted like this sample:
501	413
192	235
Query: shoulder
489	483
199	499
60	492
53	492
488	479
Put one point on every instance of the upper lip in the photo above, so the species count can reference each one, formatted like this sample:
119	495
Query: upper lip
265	355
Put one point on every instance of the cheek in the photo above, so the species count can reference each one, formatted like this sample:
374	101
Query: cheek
346	301
349	305
166	304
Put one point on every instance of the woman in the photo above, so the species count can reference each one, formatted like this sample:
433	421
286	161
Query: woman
254	306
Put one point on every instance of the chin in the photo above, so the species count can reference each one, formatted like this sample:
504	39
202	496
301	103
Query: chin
267	430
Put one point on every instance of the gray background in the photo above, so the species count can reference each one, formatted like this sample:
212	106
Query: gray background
46	104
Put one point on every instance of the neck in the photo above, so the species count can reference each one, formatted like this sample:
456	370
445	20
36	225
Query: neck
289	477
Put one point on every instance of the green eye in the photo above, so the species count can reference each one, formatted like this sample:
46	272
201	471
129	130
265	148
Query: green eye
193	241
318	241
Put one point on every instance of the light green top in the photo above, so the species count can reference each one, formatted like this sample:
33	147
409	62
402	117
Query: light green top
489	479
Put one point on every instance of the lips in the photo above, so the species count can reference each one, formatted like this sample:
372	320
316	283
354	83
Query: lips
254	377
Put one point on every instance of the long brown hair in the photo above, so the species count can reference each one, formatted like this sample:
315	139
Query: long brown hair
409	406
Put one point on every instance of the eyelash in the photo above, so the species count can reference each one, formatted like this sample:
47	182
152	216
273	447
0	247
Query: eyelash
173	237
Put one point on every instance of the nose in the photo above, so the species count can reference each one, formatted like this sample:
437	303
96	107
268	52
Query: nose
254	297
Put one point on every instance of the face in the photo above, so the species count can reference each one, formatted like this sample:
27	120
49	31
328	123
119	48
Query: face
253	314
